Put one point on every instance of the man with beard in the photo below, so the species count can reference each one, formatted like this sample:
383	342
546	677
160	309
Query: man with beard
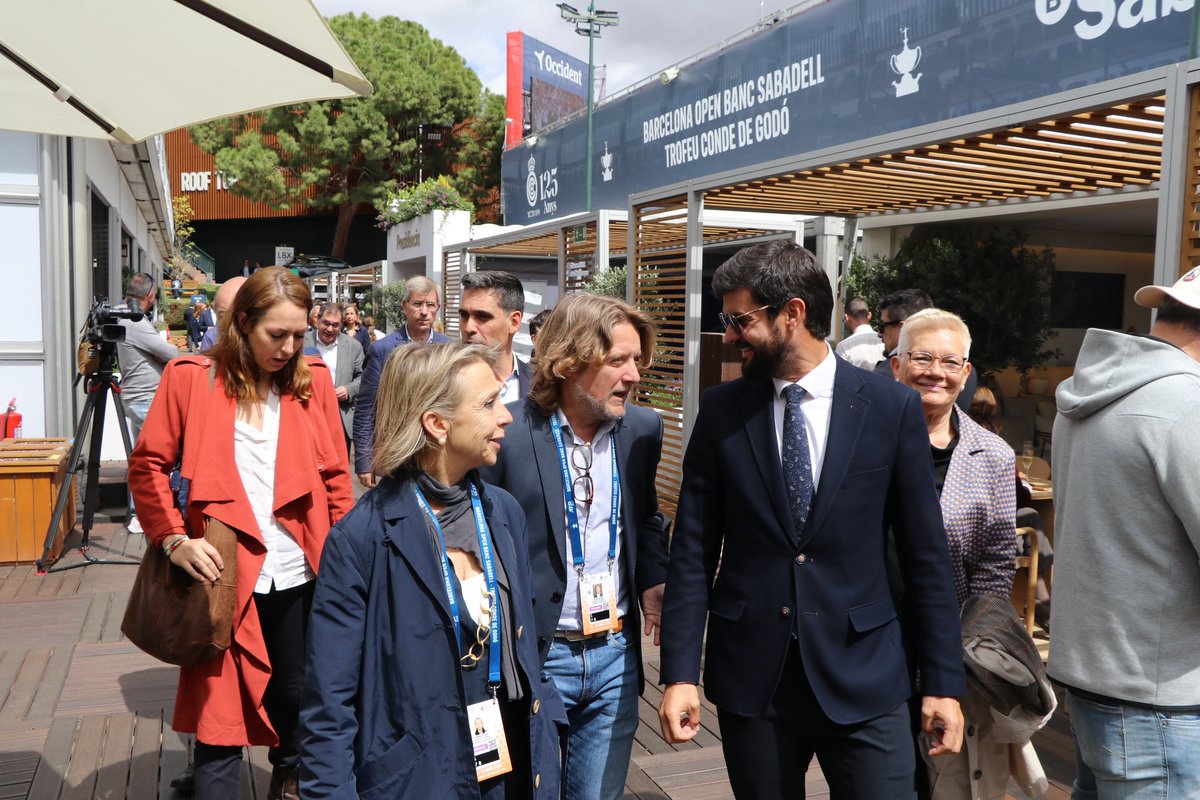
792	478
581	462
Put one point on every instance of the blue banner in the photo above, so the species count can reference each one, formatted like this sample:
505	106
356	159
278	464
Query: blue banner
842	71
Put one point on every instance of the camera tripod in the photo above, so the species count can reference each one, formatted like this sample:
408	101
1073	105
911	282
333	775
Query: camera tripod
98	385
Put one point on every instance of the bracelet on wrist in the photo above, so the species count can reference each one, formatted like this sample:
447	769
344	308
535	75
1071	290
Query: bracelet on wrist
171	547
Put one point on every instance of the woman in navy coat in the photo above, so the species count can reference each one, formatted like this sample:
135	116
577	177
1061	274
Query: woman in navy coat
418	656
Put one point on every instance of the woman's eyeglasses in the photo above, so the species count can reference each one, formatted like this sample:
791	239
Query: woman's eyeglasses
581	459
925	361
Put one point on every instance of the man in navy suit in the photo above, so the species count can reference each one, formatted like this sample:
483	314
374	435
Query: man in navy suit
489	313
581	462
793	476
420	304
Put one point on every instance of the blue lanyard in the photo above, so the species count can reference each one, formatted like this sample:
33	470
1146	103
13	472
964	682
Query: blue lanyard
569	496
489	572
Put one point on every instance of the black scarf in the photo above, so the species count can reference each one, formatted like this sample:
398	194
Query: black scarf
458	527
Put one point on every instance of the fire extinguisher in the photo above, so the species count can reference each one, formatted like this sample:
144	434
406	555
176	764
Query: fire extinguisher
12	421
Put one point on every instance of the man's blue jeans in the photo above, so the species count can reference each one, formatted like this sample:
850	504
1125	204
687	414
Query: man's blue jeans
1127	752
598	681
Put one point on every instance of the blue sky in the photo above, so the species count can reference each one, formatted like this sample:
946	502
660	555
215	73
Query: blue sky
651	36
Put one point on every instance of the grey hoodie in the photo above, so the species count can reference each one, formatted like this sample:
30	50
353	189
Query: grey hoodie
1126	454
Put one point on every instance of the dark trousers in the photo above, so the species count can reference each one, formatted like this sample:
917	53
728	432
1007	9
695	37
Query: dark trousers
768	756
283	616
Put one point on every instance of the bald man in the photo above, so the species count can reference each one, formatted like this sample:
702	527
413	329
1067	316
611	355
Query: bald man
222	301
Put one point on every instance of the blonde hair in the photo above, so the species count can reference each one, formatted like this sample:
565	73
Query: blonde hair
416	379
579	333
934	319
232	354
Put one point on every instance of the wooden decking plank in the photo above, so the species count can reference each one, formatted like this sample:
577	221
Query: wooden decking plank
56	754
10	587
23	689
51	685
111	631
143	766
80	780
174	759
113	775
93	621
11	660
638	786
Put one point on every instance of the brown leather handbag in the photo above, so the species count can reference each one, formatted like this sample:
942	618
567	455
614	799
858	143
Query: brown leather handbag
180	620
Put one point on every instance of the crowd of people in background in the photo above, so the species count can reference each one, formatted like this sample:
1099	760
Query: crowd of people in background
841	558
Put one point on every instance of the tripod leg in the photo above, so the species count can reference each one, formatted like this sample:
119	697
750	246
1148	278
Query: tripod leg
123	424
92	498
64	491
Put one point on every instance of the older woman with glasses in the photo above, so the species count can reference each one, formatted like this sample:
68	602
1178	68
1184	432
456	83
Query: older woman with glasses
973	471
423	677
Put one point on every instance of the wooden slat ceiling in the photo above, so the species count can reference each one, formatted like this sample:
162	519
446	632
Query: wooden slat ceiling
1110	148
545	244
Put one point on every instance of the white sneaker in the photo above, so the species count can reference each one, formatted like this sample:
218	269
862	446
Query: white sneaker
133	526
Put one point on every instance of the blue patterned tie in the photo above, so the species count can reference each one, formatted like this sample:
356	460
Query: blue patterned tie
797	466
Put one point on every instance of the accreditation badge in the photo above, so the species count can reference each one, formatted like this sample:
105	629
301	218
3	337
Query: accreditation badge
487	740
598	602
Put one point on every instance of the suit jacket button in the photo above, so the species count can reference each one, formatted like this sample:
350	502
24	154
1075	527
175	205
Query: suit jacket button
537	780
785	612
537	705
556	597
800	559
520	630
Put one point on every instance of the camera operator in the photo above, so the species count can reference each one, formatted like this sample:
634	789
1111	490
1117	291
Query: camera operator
141	354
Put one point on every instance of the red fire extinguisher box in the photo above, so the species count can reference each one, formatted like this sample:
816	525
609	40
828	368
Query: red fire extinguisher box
31	472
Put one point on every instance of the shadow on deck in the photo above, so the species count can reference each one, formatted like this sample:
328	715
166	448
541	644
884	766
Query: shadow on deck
84	714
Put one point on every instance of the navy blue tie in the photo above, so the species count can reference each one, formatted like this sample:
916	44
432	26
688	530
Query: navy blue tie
797	465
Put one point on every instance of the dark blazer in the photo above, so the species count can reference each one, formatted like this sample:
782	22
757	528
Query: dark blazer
349	372
364	407
524	377
384	714
528	468
826	585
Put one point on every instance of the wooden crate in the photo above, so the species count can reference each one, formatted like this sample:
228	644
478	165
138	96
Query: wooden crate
30	476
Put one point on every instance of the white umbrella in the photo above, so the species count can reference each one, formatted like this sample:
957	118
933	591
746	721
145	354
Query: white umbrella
126	70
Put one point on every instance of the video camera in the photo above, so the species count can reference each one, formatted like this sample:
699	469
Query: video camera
103	324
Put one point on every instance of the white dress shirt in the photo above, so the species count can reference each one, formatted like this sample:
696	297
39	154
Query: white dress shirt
329	354
815	409
593	525
512	383
862	348
254	453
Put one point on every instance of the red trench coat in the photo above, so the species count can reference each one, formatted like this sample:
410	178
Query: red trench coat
221	701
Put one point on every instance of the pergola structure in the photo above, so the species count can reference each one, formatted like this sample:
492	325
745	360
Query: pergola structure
1135	138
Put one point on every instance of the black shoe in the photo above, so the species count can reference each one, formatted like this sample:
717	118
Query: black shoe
285	784
185	781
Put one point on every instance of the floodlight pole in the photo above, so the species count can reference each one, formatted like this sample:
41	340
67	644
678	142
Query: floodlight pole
588	24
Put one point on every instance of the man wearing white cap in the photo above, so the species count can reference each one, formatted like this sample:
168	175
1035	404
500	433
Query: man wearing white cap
1126	450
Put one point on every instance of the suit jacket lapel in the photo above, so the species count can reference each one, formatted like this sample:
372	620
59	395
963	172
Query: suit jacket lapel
546	455
408	532
846	419
624	444
764	449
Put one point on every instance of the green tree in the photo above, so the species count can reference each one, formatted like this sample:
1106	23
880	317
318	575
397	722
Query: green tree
478	178
987	276
609	283
352	152
385	304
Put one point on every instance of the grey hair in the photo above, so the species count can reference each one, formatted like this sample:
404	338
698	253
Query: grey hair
419	284
934	319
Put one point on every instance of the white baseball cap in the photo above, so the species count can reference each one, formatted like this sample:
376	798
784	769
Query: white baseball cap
1186	290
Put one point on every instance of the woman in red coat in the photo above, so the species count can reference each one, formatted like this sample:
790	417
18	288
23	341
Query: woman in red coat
261	440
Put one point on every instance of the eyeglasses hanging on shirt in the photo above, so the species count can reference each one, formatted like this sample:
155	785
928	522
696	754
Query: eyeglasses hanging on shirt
581	459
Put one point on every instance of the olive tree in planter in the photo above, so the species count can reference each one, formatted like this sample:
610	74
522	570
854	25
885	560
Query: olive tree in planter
987	276
385	304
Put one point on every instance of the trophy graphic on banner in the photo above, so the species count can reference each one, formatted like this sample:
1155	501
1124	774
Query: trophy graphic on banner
903	64
606	163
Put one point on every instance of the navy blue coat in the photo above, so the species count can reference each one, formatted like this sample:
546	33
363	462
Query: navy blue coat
384	714
826	585
364	406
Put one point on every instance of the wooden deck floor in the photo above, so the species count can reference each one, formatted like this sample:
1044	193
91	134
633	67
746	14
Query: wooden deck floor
84	714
